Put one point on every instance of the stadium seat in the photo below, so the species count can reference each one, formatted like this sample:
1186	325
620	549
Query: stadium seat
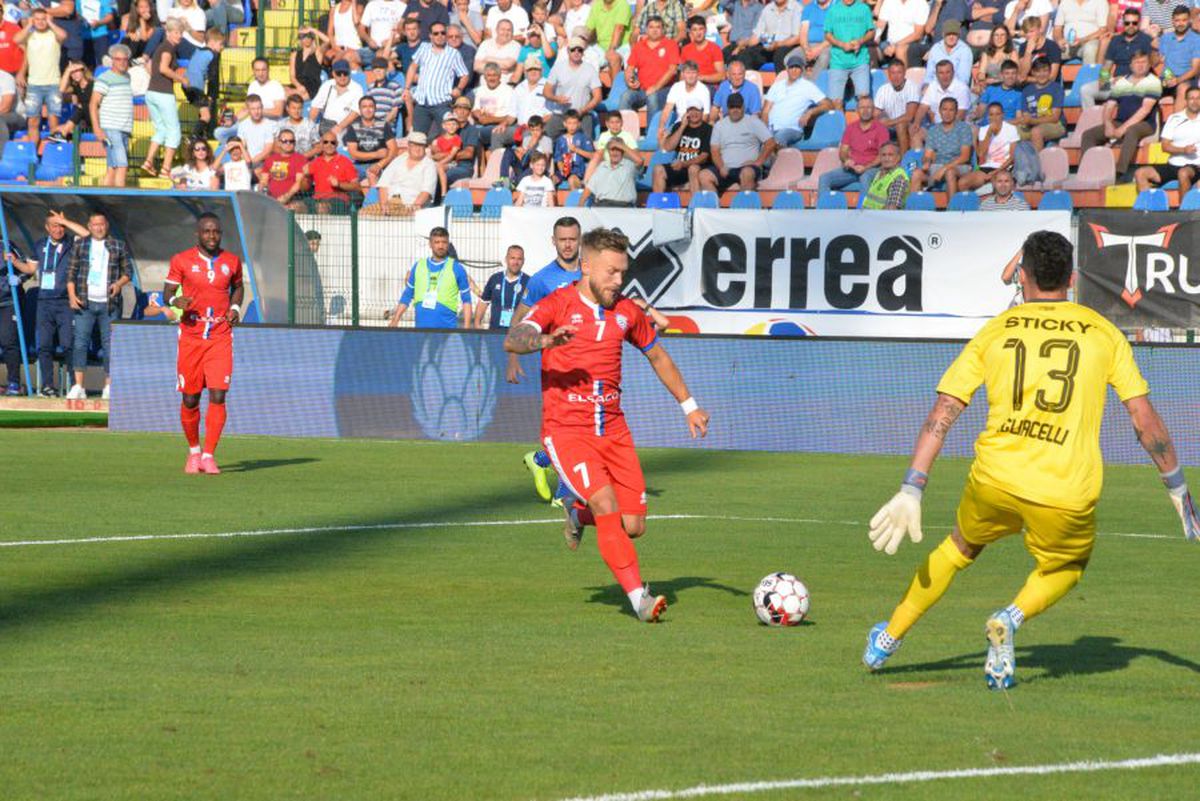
1088	118
827	160
963	201
911	160
459	201
1191	201
372	197
746	199
1056	200
788	200
1097	169
497	198
1056	167
878	79
491	170
57	161
649	139
613	100
704	199
15	161
826	133
1152	200
663	200
835	201
920	201
574	197
786	172
1088	73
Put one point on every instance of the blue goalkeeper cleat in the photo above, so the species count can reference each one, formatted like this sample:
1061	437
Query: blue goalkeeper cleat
875	654
1001	665
540	482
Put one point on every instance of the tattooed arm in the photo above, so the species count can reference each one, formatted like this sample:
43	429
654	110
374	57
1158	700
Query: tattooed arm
527	337
946	410
1152	433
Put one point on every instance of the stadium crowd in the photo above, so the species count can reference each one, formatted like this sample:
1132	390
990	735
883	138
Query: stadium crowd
396	103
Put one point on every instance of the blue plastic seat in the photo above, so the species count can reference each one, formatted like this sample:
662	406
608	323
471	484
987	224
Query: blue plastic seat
663	200
613	101
963	201
920	201
649	140
1088	73
832	200
372	196
575	197
746	199
1191	201
15	161
827	132
460	202
1057	200
788	200
497	198
57	161
704	199
1152	200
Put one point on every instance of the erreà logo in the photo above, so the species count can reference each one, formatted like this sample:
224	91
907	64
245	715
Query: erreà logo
1131	293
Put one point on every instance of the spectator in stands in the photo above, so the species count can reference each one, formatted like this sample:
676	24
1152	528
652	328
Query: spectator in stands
142	27
43	41
506	9
944	85
369	141
410	42
707	56
610	21
10	338
1117	57
735	83
256	131
1040	118
986	17
494	111
941	13
572	85
897	101
993	149
410	181
51	260
1157	16
614	131
197	171
529	96
1038	46
999	50
282	173
614	180
573	149
741	146
793	104
455	41
10	120
336	101
515	163
75	87
889	189
947	155
816	48
98	269
849	29
342	32
304	65
1006	93
1180	50
66	16
672	14
1016	12
691	140
858	152
1003	196
387	93
95	20
440	287
377	25
332	176
687	89
436	76
743	19
193	25
650	71
237	173
568	19
467	18
537	44
503	291
111	112
445	148
779	32
224	14
204	80
501	50
463	165
953	49
305	130
905	23
1180	139
160	98
536	189
1129	113
269	90
1081	29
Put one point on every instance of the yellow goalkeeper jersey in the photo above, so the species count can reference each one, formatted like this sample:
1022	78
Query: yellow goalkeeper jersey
1046	366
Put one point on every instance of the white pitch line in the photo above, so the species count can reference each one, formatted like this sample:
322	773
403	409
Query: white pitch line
1160	760
269	532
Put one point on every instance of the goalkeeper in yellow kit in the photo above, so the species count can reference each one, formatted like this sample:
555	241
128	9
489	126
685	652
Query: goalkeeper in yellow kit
1046	365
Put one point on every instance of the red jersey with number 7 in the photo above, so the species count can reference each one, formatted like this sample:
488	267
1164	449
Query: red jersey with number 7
581	380
207	281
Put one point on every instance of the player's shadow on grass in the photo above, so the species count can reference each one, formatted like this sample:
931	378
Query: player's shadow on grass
248	465
613	595
1087	655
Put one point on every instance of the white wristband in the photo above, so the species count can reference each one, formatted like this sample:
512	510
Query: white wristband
689	405
233	307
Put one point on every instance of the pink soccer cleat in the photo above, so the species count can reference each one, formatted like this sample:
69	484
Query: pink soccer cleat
209	465
193	464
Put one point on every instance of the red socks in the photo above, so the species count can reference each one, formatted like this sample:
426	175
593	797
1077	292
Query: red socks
191	425
617	551
213	423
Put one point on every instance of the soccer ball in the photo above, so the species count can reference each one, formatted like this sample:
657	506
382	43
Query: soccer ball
781	599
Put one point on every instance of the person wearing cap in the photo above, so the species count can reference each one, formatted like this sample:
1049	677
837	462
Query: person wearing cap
336	101
690	139
445	148
779	32
369	141
436	76
735	83
493	110
741	146
529	98
953	49
686	91
538	44
793	103
410	181
463	164
904	21
573	84
941	13
849	30
650	70
707	56
437	287
501	50
514	164
613	182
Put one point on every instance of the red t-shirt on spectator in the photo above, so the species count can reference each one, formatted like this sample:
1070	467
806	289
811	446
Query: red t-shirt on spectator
707	56
864	145
12	57
282	171
651	62
322	170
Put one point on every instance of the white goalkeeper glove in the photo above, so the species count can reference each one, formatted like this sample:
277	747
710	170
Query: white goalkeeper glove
900	516
1185	507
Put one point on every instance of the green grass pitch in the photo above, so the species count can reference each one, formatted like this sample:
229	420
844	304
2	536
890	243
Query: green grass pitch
366	660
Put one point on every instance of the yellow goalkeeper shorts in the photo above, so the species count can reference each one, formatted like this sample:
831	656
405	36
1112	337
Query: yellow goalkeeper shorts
1055	537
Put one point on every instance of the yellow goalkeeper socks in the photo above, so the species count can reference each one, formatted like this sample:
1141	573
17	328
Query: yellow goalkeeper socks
928	585
1043	590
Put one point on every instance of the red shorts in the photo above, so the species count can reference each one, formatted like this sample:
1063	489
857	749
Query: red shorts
204	363
588	463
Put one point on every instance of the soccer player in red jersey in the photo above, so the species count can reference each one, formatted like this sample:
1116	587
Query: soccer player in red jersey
211	302
582	328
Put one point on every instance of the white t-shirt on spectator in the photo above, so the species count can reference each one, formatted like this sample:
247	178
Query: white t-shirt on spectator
256	136
380	18
192	18
515	14
577	18
535	191
237	175
271	93
893	102
498	101
526	102
902	17
1001	145
1182	131
405	183
504	55
1037	8
679	94
335	107
934	93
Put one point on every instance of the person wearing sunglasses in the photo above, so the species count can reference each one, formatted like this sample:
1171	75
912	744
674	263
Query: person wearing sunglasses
435	78
282	173
331	176
573	84
197	170
336	102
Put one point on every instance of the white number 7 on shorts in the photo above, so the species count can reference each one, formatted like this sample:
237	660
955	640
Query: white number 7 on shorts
581	469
